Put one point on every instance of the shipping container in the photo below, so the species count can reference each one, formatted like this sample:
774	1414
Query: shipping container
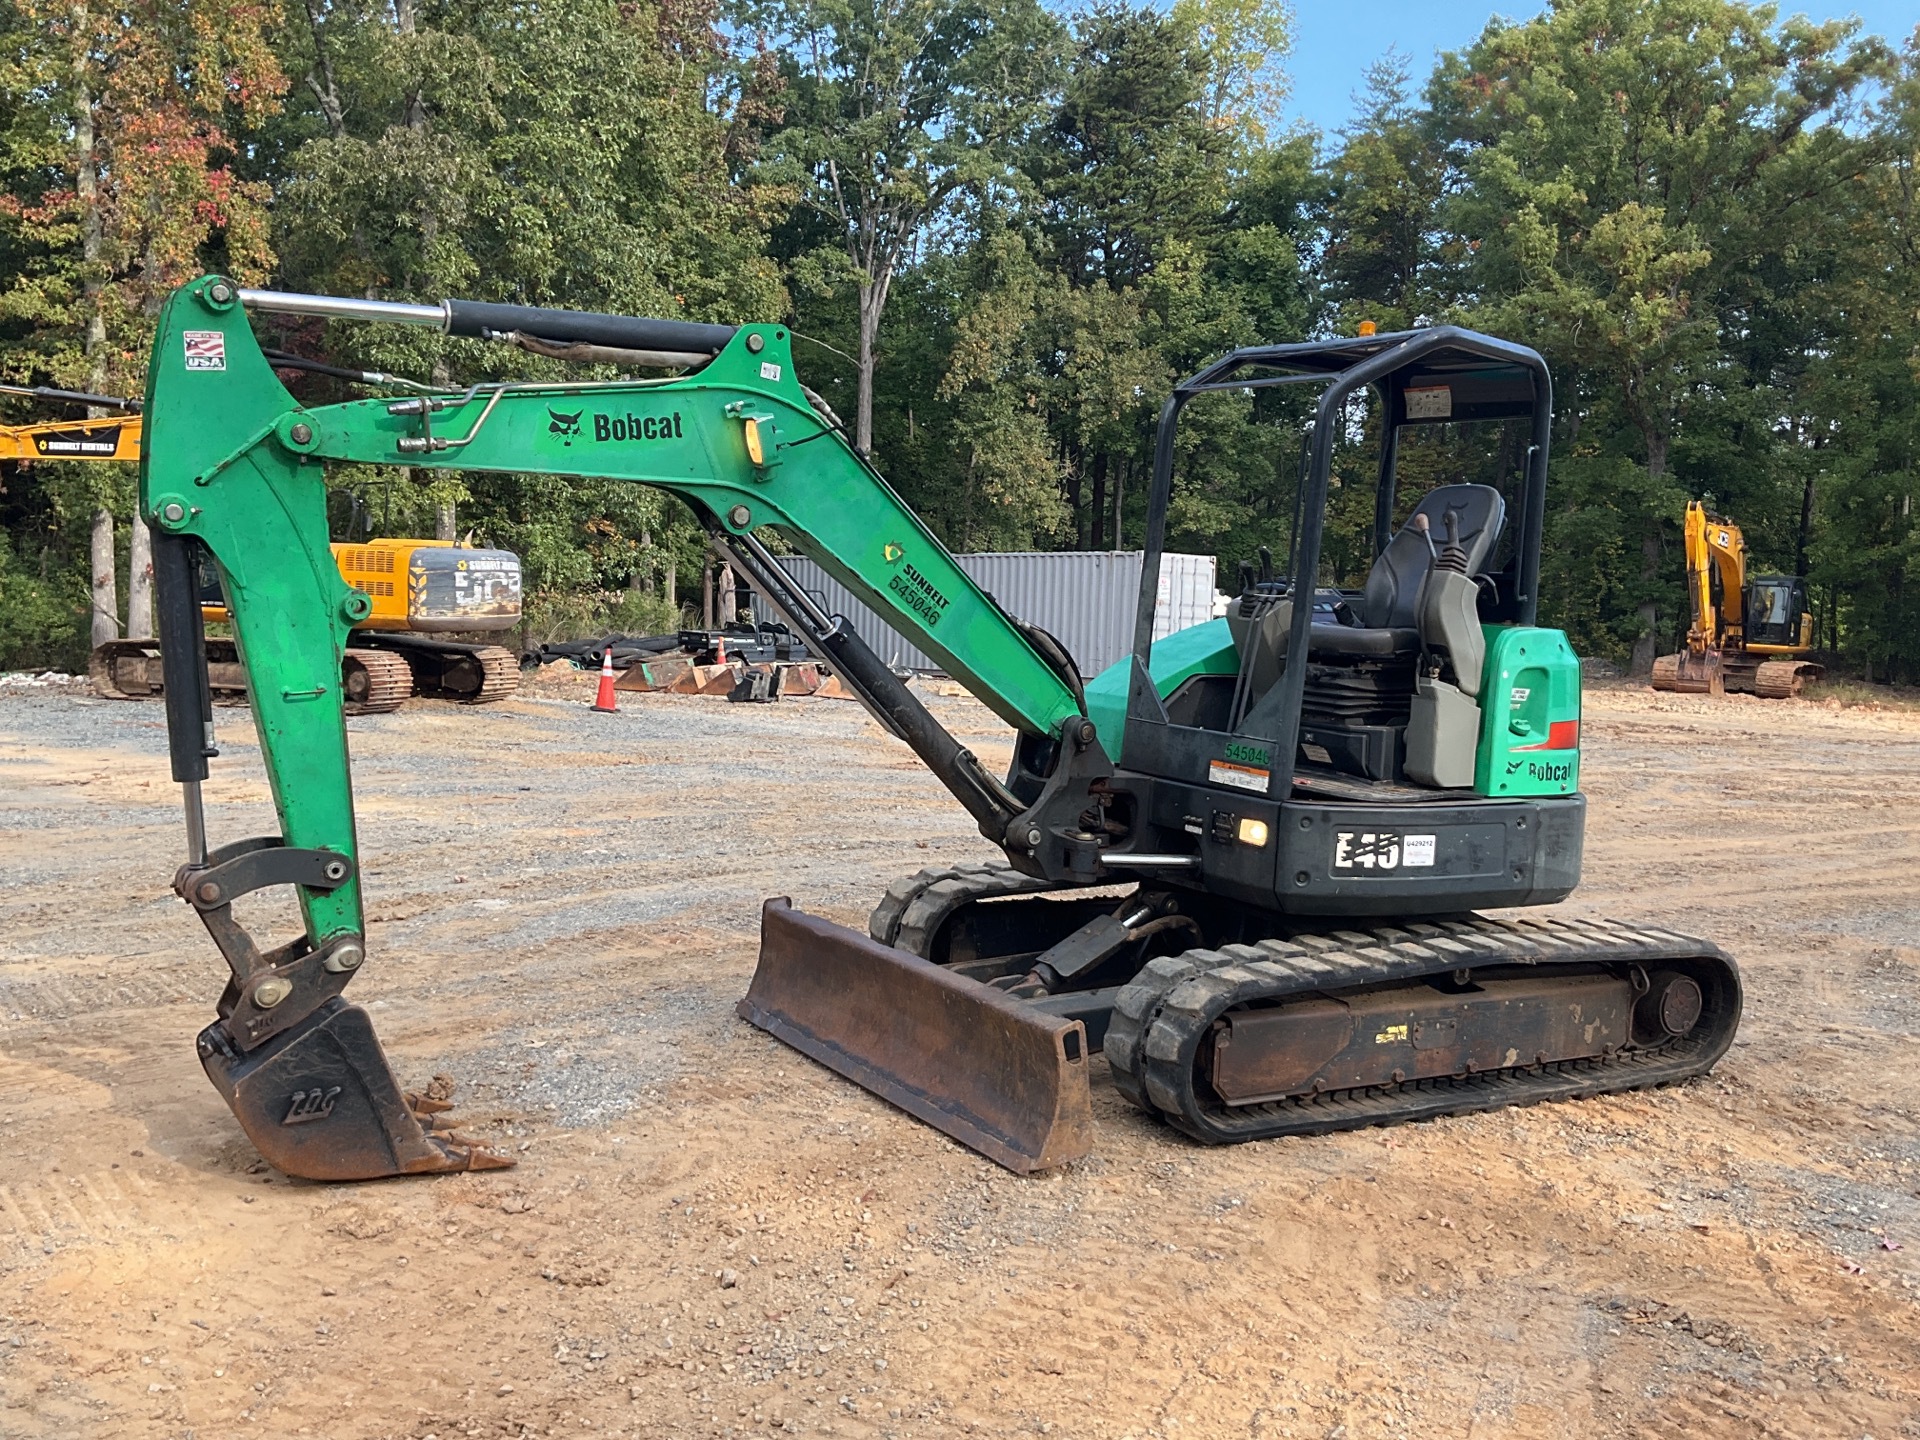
1084	599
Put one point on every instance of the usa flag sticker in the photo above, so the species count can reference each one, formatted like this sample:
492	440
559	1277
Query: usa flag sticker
206	349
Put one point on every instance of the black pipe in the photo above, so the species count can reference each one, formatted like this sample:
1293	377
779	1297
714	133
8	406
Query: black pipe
183	657
620	332
1533	533
72	397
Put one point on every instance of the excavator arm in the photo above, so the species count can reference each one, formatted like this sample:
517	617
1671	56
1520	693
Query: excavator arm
232	464
1714	545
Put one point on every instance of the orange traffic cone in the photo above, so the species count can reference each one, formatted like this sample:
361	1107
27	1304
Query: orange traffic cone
605	701
719	649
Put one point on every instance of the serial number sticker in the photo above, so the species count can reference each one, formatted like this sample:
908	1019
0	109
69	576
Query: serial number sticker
1520	695
1417	850
1319	754
205	349
1241	777
1429	402
769	370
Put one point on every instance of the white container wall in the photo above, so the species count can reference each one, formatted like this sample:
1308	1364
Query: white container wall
1084	599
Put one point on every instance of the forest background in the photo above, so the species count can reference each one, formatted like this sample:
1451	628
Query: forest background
1003	231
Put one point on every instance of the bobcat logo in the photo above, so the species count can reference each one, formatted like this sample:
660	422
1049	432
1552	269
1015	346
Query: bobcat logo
565	426
306	1105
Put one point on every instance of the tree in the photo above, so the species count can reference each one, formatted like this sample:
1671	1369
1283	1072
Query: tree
1129	162
594	156
1244	44
123	182
1387	256
898	107
1620	165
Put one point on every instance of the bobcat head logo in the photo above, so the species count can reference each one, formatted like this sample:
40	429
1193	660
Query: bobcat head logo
565	426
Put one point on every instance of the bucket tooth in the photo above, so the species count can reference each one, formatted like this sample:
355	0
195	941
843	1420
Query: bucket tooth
993	1073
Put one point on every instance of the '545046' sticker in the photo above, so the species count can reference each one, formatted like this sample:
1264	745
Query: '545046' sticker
1382	850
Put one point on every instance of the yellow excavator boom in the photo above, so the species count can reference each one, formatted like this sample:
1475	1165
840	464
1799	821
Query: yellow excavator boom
113	437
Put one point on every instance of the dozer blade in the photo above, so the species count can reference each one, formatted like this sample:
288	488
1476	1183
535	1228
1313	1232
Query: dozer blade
972	1062
319	1102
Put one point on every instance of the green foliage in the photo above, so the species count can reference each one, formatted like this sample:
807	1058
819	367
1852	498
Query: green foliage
43	614
1703	214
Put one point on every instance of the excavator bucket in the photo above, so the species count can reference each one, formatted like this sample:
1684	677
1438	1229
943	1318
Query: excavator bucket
1700	673
972	1062
320	1102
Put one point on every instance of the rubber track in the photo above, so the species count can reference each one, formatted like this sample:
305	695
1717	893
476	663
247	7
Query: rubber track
912	911
1161	1019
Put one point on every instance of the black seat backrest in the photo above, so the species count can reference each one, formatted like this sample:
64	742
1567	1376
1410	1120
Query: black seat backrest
1392	593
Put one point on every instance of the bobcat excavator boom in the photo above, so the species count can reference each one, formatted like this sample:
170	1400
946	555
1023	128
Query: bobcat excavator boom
1264	945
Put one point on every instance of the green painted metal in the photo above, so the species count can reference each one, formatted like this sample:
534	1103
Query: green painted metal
1205	649
1529	714
230	453
208	469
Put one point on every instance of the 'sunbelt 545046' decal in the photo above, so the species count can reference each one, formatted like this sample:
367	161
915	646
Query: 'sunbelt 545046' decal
917	593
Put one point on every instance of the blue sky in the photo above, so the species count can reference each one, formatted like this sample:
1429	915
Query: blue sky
1335	40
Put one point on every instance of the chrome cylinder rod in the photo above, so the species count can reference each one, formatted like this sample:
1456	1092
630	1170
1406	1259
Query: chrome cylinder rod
196	822
343	307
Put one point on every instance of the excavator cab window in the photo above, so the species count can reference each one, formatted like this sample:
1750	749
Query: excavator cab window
1774	606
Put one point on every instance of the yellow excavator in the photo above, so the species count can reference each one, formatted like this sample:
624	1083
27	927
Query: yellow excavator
1749	635
421	590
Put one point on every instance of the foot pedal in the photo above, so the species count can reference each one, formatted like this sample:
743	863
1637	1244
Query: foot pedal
319	1102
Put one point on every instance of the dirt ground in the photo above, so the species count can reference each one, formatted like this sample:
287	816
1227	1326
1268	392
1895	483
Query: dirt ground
708	1235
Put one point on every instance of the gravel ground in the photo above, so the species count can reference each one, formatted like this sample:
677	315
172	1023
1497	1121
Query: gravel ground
708	1235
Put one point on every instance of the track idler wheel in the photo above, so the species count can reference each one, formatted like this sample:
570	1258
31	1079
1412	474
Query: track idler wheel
319	1102
1670	1008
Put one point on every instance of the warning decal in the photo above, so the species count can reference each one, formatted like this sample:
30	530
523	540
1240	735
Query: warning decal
1241	777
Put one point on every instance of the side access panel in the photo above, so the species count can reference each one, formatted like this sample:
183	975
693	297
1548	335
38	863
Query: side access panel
1530	725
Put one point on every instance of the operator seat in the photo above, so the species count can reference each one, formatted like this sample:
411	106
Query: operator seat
1386	619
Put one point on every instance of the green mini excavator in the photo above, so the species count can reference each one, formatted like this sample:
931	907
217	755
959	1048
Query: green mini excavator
1245	863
